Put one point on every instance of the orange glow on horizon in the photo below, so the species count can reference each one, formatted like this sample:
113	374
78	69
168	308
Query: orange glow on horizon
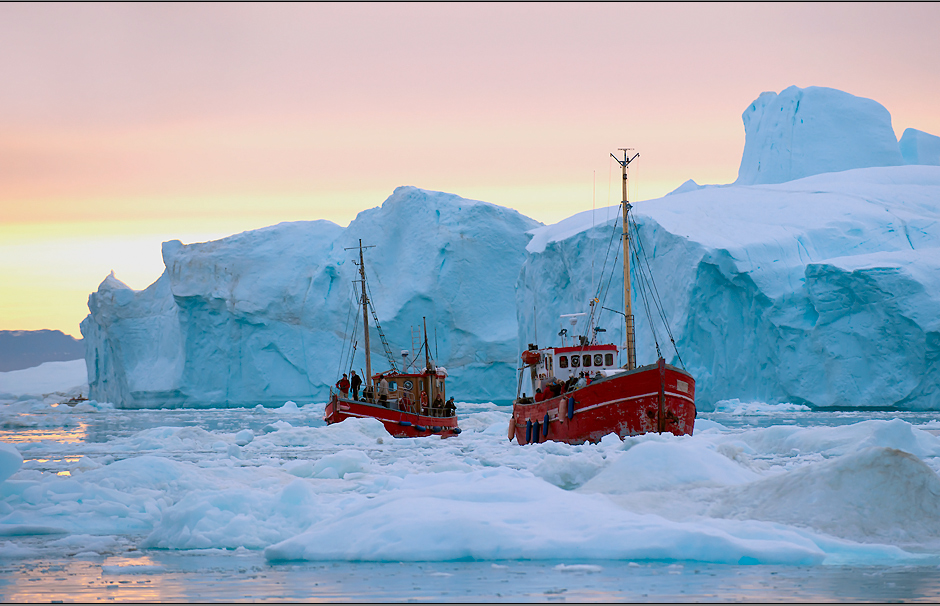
127	125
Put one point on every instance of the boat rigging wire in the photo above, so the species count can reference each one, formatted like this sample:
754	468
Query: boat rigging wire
342	355
646	285
348	357
657	300
378	327
643	289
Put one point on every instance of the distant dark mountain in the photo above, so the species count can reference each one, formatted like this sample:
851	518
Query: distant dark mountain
27	348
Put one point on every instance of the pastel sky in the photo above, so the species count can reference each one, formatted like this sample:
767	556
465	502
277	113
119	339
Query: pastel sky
122	126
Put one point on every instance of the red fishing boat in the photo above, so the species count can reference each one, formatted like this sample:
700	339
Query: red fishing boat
410	402
581	393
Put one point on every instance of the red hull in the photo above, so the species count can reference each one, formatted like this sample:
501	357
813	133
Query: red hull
649	399
398	423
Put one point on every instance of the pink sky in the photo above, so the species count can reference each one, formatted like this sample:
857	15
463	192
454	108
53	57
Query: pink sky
125	125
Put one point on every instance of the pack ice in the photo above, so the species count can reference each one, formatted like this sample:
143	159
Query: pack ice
813	279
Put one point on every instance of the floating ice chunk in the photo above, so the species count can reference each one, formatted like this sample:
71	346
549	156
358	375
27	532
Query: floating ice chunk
502	514
10	461
289	407
11	550
735	406
339	464
903	436
878	494
579	568
654	465
703	425
77	543
244	437
845	439
236	517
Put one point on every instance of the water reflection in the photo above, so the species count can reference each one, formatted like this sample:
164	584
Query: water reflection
26	433
211	576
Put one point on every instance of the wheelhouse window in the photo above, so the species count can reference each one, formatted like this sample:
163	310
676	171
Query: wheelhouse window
392	386
587	360
562	361
609	359
598	360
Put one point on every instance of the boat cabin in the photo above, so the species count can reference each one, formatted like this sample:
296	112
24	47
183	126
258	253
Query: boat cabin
563	363
404	389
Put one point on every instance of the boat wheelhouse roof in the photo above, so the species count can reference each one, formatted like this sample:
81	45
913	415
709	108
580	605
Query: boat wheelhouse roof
584	348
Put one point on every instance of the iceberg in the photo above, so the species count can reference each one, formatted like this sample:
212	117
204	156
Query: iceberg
918	147
262	317
813	280
821	291
809	131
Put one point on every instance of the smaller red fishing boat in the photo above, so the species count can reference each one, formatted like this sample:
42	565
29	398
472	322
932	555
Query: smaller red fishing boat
580	394
411	403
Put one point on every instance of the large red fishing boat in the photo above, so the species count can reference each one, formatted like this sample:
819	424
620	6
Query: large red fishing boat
582	394
409	402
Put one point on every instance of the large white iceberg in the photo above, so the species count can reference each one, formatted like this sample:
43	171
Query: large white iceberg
814	280
822	291
262	316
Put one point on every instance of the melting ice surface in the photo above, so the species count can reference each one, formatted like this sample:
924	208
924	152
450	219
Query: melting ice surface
122	491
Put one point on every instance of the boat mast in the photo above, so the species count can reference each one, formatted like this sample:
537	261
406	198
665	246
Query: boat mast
365	317
427	363
627	304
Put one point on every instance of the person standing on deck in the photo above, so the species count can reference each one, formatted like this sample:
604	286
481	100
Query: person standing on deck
355	382
450	409
423	408
343	386
404	403
383	391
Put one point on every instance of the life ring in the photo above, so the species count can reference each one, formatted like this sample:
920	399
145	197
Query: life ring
512	427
